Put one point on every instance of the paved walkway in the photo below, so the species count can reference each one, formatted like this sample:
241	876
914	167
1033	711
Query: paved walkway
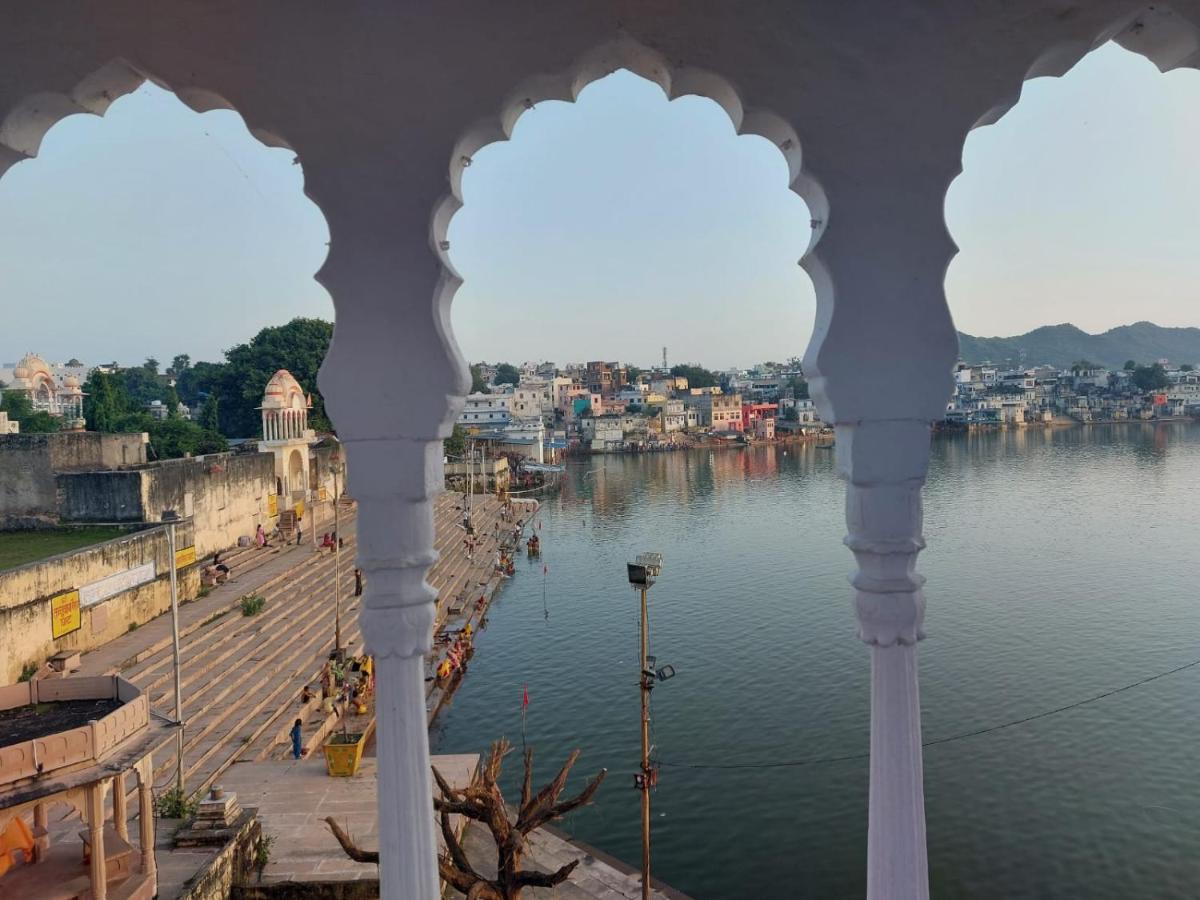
293	799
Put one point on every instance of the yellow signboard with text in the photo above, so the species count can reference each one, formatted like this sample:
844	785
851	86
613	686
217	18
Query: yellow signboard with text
299	509
64	614
324	494
185	556
272	505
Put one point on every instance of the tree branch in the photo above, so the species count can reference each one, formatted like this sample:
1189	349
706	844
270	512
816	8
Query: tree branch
527	784
546	879
351	849
454	848
561	809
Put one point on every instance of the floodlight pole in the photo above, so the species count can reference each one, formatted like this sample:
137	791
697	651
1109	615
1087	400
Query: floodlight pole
337	570
645	685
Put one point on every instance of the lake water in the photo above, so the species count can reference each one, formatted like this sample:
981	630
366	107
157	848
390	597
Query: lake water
1061	564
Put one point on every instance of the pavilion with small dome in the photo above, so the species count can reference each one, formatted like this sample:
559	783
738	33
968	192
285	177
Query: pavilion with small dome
285	433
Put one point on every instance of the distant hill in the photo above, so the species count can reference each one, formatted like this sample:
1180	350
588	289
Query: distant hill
1062	345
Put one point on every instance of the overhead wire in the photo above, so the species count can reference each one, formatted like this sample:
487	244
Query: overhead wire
821	760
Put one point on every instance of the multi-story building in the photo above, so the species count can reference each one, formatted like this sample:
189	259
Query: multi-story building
754	416
486	411
606	378
720	412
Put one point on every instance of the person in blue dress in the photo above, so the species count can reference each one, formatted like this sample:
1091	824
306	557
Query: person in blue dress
297	751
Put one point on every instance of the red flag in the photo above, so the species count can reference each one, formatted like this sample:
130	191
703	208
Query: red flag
545	570
524	696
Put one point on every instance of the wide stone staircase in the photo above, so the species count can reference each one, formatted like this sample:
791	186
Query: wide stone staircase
242	676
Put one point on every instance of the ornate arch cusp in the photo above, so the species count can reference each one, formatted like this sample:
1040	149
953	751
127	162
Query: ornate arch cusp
25	125
675	81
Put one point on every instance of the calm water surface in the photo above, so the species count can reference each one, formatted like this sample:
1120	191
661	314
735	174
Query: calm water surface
1061	564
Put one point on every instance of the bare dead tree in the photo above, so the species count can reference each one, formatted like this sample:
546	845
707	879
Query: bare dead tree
352	849
483	802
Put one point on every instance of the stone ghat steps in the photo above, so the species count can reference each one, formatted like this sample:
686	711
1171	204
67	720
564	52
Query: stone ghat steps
226	632
254	665
263	712
243	675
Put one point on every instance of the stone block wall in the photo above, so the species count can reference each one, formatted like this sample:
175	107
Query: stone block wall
27	597
29	489
227	494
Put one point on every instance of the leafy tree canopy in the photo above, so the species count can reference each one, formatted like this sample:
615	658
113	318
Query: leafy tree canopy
799	387
697	376
20	409
456	444
180	364
299	346
507	374
632	374
478	384
110	406
1150	378
1130	365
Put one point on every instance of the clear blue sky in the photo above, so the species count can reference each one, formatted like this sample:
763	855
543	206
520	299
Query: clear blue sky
605	228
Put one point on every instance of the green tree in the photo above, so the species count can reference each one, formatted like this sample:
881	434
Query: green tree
456	444
478	385
172	403
1130	365
173	438
1187	367
104	402
180	364
507	374
210	417
799	387
142	385
1150	378
299	346
151	365
697	376
197	380
20	409
632	374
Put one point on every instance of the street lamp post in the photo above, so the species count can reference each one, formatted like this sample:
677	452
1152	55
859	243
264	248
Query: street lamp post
337	568
642	574
171	519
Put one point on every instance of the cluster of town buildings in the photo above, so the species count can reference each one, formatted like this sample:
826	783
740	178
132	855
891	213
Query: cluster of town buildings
986	395
598	407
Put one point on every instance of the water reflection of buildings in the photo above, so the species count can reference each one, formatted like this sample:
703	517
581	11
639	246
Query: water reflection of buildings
686	480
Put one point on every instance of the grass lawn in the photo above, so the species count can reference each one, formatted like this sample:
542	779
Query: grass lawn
20	547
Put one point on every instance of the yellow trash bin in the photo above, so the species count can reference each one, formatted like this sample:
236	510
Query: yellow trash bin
343	753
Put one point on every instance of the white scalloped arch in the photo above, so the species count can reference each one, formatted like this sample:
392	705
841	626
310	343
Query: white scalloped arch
603	60
26	125
1167	39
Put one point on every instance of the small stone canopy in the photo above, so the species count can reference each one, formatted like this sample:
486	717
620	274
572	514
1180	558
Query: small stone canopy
83	764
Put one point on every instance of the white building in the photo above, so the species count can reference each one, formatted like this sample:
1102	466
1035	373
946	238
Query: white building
486	411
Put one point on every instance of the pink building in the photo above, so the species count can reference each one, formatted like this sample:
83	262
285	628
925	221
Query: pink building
758	419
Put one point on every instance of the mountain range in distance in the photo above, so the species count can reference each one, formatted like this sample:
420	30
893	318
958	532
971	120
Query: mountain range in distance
1063	345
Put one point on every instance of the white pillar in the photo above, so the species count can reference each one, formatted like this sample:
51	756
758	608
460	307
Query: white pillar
395	481
879	369
884	464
